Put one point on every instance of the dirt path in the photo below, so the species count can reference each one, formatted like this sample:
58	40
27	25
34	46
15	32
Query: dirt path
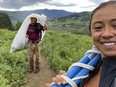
40	79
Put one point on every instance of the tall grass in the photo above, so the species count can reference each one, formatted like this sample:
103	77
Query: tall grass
13	66
63	49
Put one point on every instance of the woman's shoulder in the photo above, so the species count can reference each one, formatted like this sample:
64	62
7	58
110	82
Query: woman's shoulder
93	77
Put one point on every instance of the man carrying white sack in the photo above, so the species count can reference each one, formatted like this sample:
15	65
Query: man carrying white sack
34	34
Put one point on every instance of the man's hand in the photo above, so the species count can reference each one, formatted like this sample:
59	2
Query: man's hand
45	27
27	36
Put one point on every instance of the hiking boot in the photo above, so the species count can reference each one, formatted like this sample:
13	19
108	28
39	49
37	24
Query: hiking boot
36	65
31	69
36	70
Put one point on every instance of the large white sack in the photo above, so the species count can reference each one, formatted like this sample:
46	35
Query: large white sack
20	41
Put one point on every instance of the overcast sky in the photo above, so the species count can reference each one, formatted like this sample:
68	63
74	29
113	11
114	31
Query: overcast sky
68	5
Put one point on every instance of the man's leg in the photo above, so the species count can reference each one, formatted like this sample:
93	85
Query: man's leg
31	57
36	59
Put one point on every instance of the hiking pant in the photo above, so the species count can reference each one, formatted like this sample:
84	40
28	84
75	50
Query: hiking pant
33	53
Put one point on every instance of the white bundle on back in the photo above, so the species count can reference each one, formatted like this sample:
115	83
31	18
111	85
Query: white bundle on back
20	41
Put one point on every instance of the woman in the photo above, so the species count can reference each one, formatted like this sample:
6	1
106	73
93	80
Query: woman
103	31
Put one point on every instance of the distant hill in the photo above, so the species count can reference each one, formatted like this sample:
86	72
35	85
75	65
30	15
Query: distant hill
5	21
82	16
76	20
20	15
60	20
76	23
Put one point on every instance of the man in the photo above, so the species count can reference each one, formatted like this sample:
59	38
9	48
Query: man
34	34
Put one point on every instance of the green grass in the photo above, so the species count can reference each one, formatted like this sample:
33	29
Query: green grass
13	66
60	50
63	49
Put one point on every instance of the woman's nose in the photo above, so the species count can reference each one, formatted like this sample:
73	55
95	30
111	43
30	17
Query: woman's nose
108	32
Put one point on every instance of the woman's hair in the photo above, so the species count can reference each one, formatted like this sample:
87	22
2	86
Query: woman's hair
104	4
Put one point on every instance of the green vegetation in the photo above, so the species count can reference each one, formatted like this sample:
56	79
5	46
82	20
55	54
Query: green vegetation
61	46
60	50
77	23
63	49
5	21
17	26
13	66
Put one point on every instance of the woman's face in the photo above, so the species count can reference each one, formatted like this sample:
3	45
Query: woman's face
103	29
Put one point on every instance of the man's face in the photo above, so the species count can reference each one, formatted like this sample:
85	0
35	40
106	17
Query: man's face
33	20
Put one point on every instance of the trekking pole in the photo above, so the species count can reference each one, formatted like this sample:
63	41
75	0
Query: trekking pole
81	69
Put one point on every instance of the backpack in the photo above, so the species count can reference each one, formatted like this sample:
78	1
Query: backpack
39	28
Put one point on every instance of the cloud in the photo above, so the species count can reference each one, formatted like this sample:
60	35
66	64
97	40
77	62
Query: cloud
68	5
88	6
13	5
17	4
97	1
59	3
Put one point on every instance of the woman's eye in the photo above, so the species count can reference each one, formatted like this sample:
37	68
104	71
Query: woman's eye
98	28
114	26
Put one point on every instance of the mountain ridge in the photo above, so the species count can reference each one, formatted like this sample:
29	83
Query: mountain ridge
51	14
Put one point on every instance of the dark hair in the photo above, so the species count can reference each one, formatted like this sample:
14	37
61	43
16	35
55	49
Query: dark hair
104	4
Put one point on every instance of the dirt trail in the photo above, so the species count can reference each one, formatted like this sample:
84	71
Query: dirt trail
40	79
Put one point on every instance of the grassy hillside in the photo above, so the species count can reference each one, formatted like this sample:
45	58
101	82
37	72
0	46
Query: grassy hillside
13	66
63	49
5	21
77	23
20	15
60	50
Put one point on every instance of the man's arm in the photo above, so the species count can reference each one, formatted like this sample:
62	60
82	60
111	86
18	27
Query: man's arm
45	27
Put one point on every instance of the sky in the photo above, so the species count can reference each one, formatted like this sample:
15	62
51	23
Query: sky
68	5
